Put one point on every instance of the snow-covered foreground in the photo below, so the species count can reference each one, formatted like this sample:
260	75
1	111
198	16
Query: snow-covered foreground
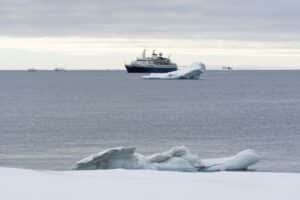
16	184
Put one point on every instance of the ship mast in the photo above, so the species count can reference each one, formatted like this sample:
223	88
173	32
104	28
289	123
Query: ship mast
144	53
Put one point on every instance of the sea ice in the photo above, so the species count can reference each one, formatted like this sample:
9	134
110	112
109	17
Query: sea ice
16	184
192	72
176	159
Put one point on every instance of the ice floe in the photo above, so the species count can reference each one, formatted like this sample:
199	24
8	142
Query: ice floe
192	72
176	159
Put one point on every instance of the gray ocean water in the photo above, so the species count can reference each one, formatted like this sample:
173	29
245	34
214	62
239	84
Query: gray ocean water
49	120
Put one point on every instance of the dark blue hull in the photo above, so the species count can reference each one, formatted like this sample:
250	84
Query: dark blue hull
139	69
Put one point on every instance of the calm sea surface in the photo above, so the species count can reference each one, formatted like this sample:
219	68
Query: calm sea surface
49	120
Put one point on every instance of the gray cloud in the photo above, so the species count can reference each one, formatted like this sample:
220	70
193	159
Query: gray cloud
219	19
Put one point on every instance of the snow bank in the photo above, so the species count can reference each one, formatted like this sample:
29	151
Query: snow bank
176	159
16	184
192	72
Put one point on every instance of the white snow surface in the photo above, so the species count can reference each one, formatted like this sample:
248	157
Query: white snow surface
176	159
17	184
192	72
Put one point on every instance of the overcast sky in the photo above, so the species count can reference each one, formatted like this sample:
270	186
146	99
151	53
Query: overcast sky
107	33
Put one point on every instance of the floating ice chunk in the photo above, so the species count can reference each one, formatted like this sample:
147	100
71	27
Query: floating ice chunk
175	159
240	161
118	157
192	72
167	155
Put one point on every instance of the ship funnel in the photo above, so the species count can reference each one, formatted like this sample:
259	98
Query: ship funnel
153	53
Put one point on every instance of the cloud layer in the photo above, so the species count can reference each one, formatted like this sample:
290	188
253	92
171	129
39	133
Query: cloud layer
106	33
218	19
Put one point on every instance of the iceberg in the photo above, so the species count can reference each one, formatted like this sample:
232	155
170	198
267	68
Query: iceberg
240	161
192	72
176	159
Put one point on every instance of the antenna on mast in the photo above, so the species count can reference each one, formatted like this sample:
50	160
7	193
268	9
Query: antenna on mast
144	53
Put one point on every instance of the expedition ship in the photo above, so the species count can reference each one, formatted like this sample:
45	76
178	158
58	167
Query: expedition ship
154	64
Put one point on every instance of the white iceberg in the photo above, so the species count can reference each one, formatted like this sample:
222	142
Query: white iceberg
240	161
192	72
175	159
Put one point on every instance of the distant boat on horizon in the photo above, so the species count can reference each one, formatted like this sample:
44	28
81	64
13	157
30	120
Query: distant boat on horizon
154	64
59	69
226	68
31	70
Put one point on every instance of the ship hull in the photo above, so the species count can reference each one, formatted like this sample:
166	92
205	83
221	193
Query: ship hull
150	69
